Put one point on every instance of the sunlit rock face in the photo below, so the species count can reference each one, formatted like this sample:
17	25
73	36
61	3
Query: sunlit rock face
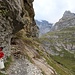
67	20
14	16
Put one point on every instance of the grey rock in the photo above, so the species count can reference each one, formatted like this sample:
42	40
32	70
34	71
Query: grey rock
68	20
44	26
14	16
20	67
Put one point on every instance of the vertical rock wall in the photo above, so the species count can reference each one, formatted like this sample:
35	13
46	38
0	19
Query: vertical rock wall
14	16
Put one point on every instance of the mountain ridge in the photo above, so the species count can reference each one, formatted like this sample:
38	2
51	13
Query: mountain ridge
67	20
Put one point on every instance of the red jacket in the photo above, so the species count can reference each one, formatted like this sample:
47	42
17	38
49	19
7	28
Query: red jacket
1	54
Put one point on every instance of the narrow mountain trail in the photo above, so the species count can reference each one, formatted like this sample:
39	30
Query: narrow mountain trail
39	62
28	61
18	67
22	66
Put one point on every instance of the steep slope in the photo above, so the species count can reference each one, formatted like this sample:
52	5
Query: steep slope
44	26
61	47
24	48
47	54
14	16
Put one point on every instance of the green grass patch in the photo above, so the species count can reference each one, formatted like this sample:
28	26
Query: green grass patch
67	61
59	68
8	62
2	74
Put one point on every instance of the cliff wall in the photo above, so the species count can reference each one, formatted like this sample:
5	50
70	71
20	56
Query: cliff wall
14	16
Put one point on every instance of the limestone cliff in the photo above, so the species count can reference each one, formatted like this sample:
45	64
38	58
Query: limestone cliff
14	16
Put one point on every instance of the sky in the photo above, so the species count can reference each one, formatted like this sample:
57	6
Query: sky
52	10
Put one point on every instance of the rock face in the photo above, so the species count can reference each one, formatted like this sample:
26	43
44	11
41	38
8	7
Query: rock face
14	16
67	20
44	26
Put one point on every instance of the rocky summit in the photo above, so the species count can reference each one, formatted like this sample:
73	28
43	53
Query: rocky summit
67	20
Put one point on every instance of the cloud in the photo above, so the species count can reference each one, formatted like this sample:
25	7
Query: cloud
52	10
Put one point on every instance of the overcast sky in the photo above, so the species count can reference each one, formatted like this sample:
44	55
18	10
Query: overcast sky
52	10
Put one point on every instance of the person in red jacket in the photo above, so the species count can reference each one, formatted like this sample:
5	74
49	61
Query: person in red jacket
1	53
1	56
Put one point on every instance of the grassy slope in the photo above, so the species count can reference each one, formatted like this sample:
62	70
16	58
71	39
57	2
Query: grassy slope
67	61
62	65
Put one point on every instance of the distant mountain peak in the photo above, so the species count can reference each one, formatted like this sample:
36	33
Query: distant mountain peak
67	15
67	12
44	26
67	20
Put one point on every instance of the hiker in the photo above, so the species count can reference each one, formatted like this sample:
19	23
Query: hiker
1	58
